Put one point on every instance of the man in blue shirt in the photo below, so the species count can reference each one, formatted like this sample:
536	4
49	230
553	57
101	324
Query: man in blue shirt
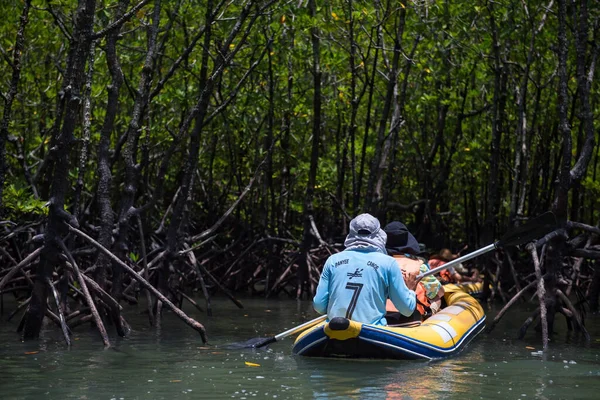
356	282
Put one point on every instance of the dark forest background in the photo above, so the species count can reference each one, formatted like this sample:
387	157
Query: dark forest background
152	149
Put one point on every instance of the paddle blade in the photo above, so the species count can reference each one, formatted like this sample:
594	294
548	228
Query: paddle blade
531	230
264	342
254	343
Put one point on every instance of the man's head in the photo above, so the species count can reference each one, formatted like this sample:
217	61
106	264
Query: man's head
365	231
400	240
364	225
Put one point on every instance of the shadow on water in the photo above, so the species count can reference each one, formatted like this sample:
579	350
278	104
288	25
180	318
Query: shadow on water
173	363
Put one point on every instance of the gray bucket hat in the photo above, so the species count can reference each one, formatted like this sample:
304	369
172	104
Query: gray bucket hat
365	231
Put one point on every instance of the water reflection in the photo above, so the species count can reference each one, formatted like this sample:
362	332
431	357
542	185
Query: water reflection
387	379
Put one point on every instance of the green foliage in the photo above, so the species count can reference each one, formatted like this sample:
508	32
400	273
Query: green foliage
21	205
446	99
593	186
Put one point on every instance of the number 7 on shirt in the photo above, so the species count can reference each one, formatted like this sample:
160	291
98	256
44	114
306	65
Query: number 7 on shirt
356	287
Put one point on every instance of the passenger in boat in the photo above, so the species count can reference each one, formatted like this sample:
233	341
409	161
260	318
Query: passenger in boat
454	274
356	282
405	249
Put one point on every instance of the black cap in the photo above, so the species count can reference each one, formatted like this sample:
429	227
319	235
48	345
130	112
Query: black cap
400	240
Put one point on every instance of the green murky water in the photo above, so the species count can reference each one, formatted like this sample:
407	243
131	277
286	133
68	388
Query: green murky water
174	364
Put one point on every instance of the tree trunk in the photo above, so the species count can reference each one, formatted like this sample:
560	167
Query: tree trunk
61	143
285	136
384	136
498	108
10	96
127	208
105	210
303	270
371	84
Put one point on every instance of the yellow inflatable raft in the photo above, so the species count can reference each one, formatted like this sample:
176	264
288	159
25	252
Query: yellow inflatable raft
441	335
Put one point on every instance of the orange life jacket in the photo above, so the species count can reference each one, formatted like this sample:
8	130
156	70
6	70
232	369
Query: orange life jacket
423	304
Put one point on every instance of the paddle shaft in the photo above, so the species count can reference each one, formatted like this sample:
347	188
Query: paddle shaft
300	328
457	261
538	226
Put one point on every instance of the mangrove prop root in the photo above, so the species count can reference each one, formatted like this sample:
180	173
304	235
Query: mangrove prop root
81	321
512	301
86	293
149	301
576	315
27	260
527	323
19	308
53	317
103	294
194	262
541	292
191	322
188	298
109	302
61	316
15	263
223	289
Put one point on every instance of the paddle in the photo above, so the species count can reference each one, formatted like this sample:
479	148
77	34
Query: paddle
261	342
525	233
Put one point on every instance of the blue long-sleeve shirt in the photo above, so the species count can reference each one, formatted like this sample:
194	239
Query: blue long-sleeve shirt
356	284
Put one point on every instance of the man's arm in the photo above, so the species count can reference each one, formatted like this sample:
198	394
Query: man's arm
321	300
404	299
